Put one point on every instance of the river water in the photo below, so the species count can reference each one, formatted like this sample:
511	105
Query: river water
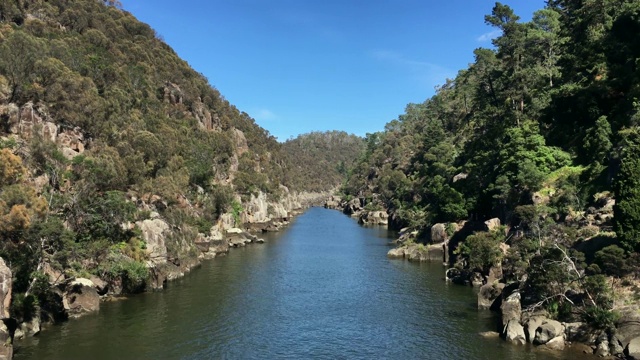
322	289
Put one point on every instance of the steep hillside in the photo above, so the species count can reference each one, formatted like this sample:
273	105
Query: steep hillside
118	162
540	134
320	161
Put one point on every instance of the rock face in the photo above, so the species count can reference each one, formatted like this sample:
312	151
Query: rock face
153	233
80	297
511	312
6	347
374	218
333	202
5	289
488	295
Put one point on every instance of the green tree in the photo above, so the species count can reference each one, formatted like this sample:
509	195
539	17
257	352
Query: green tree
627	191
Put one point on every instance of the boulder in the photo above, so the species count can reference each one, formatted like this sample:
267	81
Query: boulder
28	328
6	347
632	350
557	343
615	346
439	233
101	286
492	224
80	297
396	253
488	295
332	202
460	176
352	207
578	332
514	333
531	325
628	327
602	349
6	279
511	309
373	218
548	330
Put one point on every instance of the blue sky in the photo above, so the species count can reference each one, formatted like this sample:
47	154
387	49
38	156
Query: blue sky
298	66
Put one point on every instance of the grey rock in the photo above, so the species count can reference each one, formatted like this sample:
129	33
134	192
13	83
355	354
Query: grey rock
514	333
548	330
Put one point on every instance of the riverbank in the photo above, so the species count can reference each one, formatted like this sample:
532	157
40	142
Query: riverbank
520	320
322	288
74	296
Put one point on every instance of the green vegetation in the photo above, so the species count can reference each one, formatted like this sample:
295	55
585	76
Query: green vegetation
320	161
102	126
540	131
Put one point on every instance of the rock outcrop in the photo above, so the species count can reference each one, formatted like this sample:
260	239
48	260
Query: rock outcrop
511	312
80	297
6	347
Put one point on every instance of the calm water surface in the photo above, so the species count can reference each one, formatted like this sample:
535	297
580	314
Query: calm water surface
323	289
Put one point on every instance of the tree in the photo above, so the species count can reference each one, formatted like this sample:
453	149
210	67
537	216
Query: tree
627	191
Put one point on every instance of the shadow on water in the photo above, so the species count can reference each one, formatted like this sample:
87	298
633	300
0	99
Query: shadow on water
322	289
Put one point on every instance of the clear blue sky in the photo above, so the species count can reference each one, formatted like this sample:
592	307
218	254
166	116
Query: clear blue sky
297	66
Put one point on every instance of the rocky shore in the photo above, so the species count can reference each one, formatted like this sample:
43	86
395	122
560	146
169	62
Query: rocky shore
516	323
73	297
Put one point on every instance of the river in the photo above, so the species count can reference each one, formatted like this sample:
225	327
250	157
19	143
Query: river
322	289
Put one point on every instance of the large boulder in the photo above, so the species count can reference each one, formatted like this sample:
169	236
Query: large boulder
5	289
531	325
396	253
332	202
548	329
80	297
438	233
578	332
514	333
511	309
628	327
557	343
633	348
492	224
488	295
373	218
6	347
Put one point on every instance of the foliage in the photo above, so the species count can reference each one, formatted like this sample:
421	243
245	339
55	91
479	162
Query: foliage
627	189
320	161
482	249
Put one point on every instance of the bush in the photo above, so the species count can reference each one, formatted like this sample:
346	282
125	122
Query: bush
482	249
133	274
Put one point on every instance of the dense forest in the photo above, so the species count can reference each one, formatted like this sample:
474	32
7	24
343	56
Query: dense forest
321	160
541	131
104	127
